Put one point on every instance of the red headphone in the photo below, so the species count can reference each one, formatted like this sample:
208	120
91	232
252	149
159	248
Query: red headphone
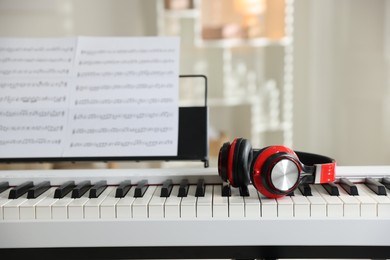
275	171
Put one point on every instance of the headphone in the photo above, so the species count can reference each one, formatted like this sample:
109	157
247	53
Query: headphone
275	171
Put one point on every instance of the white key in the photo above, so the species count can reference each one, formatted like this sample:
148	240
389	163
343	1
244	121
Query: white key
76	207
317	204
368	206
351	204
204	205
11	209
92	207
285	207
269	207
172	204
383	206
220	204
188	204
334	205
140	205
108	206
156	205
27	210
59	209
43	210
124	206
301	205
3	200
252	203
236	204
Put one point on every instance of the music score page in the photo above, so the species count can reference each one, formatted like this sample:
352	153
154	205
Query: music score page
89	97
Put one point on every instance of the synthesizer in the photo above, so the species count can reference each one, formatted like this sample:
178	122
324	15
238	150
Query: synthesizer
190	213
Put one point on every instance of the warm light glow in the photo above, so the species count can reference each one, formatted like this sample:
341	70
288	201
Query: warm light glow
250	7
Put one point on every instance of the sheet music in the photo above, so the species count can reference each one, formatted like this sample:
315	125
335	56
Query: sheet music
88	97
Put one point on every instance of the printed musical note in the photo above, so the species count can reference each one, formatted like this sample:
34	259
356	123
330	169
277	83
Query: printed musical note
47	128
124	62
33	72
118	101
131	87
116	130
33	113
55	49
32	84
129	73
32	99
27	141
137	142
121	116
34	60
127	51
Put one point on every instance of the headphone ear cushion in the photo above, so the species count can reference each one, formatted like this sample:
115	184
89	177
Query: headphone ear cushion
223	161
242	162
255	155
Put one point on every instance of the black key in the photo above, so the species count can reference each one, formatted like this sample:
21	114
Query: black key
37	190
331	188
386	181
64	189
376	186
183	188
4	186
291	194
200	188
244	192
349	187
142	186
97	189
20	190
81	189
305	189
166	189
226	191
123	189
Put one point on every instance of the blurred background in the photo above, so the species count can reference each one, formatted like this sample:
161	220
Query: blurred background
312	75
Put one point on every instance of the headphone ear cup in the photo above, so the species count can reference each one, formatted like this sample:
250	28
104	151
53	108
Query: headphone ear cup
242	161
262	170
223	161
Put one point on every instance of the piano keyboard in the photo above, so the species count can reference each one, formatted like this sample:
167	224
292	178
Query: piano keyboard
187	207
197	198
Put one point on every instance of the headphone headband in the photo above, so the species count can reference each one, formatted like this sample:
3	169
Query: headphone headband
313	159
325	167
